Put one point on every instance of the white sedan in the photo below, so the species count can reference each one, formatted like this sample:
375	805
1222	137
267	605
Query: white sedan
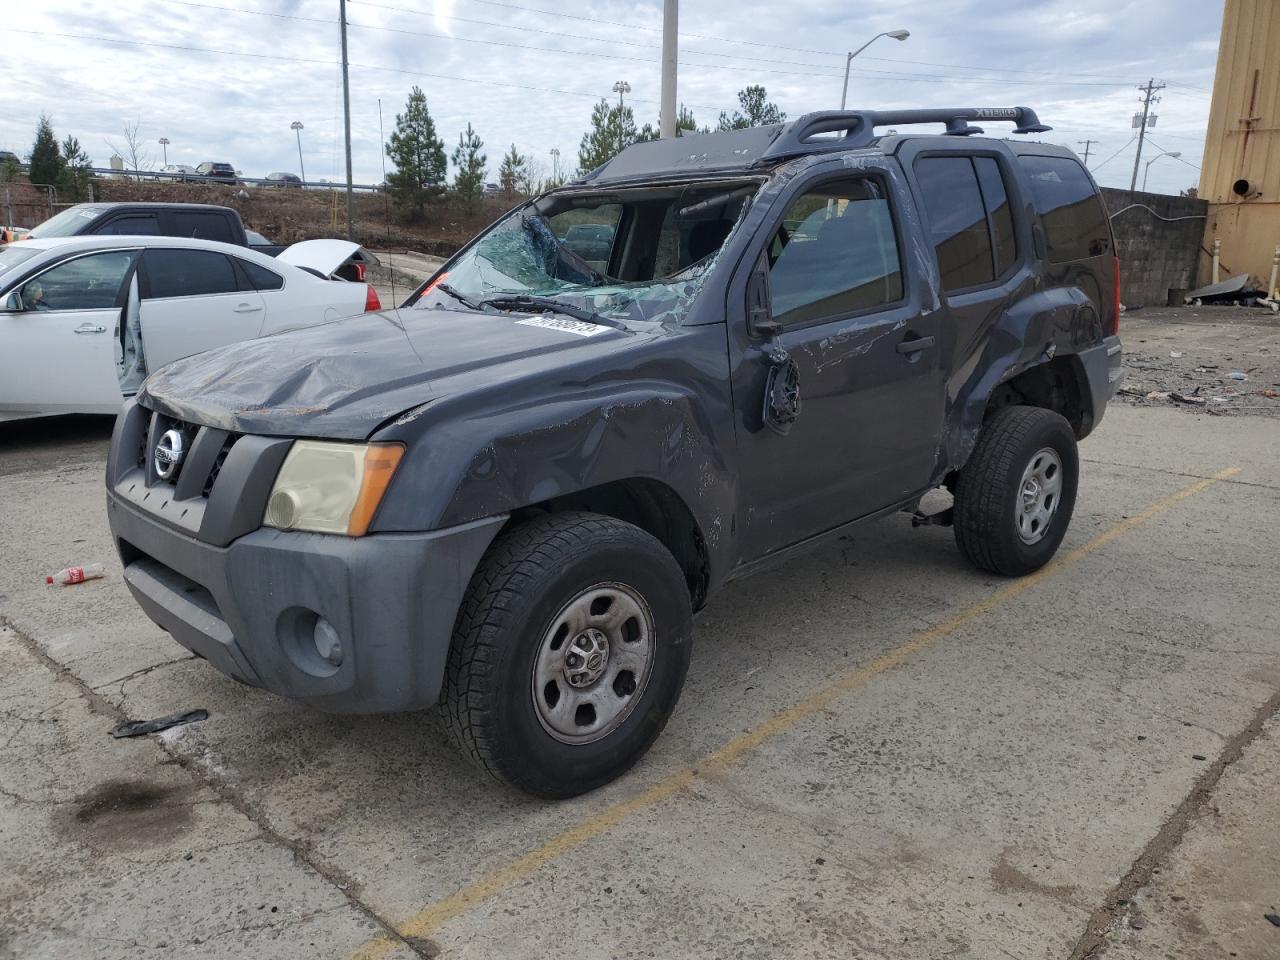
83	320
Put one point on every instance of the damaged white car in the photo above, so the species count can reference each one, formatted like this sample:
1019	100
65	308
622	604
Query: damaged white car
83	320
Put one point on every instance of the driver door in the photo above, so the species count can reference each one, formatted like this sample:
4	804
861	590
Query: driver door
60	329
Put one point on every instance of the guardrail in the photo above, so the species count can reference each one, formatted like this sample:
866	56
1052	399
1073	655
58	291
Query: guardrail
239	180
113	174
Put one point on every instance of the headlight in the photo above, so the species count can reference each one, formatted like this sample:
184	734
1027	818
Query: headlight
331	487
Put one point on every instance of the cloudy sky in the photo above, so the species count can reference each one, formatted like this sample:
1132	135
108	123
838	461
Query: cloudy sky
223	79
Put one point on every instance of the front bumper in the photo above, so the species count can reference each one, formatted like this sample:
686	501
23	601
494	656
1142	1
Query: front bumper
249	598
250	608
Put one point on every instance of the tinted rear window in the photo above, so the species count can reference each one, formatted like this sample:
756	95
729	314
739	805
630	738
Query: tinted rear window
1075	221
188	273
202	226
260	278
134	225
957	221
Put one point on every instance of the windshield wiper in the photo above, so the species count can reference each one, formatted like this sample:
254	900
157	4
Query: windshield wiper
458	295
527	302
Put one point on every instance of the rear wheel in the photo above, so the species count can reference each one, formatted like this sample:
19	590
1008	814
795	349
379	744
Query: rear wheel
1015	496
569	653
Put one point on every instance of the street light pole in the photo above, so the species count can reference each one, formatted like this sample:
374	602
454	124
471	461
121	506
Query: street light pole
670	44
296	127
896	34
620	87
1147	169
555	164
164	146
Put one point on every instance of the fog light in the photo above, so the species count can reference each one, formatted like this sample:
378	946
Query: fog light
327	642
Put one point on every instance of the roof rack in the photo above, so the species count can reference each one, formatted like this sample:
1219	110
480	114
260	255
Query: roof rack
859	126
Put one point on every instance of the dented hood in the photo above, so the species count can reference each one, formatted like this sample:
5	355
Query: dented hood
343	380
325	256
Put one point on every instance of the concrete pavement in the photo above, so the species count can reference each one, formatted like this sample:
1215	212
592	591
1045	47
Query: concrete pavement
879	752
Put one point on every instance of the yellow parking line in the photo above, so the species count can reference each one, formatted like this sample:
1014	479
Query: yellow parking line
435	915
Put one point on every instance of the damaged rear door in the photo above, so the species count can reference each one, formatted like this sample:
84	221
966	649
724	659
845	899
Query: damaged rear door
59	329
837	381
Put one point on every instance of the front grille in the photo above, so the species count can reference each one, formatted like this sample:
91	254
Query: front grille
218	462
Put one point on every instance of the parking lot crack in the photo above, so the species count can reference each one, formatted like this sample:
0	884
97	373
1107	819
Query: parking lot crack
1093	940
142	673
224	790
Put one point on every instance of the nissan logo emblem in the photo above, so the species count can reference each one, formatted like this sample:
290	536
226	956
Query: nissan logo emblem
169	453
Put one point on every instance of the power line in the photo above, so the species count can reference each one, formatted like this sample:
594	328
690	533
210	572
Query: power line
1167	153
727	40
1114	155
868	73
328	63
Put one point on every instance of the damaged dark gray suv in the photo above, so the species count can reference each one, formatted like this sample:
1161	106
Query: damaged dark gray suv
509	495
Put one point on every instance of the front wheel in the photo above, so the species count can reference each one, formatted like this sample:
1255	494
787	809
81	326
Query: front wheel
569	653
1014	498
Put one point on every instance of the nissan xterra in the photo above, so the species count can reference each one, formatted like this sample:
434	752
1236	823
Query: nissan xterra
509	495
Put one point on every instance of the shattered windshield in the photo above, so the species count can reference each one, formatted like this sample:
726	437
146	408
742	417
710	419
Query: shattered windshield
635	255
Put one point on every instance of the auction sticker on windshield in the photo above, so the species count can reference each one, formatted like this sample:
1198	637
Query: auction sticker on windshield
580	327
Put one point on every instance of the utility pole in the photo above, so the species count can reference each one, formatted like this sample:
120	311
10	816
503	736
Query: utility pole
670	42
1087	145
346	107
1148	98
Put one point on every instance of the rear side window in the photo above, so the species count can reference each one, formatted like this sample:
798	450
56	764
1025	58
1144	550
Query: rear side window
202	226
996	199
187	273
957	221
835	253
134	225
260	278
1075	222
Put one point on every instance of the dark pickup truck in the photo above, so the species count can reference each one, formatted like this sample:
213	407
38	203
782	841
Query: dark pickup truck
200	221
510	495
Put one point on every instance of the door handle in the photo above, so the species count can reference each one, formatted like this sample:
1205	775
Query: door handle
90	328
247	308
915	346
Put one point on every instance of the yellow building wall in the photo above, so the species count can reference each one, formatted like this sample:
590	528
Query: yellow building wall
1240	176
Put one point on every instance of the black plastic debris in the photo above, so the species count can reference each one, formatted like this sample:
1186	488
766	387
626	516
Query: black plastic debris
140	728
1272	918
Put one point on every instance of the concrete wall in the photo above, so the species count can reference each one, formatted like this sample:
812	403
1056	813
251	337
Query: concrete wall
1156	255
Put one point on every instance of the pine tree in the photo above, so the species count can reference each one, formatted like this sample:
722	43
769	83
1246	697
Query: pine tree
757	110
76	169
612	129
685	124
46	161
511	174
418	155
470	164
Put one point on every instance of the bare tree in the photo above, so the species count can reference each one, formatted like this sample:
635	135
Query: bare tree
134	153
532	179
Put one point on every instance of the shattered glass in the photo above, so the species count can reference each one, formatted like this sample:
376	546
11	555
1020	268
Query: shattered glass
524	255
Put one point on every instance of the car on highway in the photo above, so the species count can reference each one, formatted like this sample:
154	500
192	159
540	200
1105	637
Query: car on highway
508	496
283	180
83	320
181	172
217	172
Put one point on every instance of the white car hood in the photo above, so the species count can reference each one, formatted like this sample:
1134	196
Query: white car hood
325	256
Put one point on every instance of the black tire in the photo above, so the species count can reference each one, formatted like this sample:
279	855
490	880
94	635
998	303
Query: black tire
521	586
989	488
